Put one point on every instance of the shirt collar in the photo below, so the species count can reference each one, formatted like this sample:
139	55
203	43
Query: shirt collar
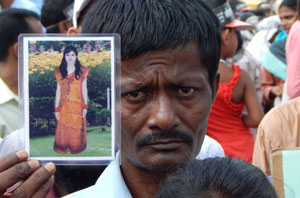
6	93
111	181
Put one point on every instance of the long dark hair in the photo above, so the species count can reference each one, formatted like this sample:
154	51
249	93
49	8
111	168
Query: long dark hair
63	65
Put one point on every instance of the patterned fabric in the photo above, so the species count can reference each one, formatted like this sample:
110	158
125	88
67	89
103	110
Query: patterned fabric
225	123
71	127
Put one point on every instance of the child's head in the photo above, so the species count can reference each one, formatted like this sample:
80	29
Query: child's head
217	178
229	25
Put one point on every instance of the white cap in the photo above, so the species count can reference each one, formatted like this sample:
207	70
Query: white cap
79	5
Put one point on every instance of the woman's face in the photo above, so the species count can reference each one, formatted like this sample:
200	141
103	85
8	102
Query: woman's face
70	57
287	16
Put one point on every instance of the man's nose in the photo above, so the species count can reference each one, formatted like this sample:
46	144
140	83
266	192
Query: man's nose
163	114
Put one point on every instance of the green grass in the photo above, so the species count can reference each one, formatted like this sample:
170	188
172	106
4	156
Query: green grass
98	144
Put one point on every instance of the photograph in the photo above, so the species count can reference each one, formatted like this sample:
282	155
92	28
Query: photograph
69	84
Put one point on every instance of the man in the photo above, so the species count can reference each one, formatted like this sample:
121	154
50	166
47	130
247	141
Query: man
280	128
168	83
12	23
170	54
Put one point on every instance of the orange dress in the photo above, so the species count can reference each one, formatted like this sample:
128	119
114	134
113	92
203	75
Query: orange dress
225	122
70	135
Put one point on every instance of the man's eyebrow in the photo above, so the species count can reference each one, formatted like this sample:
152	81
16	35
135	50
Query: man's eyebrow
133	85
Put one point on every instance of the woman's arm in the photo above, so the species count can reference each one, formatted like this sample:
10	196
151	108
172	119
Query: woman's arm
255	112
85	96
270	86
57	99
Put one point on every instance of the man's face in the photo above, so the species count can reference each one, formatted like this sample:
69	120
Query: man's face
166	100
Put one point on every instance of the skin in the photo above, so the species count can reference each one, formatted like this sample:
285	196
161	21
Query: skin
244	90
71	58
9	68
32	180
174	95
287	18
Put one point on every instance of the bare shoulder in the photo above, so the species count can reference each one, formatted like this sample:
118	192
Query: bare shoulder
245	78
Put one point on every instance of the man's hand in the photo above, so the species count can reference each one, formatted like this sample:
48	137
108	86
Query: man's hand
277	90
24	178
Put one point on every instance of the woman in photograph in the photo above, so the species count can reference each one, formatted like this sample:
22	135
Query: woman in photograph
71	103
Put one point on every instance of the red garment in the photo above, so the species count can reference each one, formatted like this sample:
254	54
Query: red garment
225	122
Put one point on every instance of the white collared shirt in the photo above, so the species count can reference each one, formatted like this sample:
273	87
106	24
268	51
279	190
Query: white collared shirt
10	115
109	185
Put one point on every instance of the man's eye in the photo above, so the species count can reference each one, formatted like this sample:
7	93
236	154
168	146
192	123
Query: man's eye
135	95
185	91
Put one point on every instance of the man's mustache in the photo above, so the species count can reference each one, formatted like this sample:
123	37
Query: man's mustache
160	135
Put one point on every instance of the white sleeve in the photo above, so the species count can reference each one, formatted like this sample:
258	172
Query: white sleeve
210	149
12	142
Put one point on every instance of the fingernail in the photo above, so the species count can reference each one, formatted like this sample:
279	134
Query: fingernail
50	167
33	163
22	155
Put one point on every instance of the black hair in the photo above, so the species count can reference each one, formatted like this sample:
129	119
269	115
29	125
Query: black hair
53	12
217	178
292	4
63	65
84	11
12	23
150	25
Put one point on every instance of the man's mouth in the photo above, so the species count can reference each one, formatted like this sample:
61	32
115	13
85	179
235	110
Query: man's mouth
164	139
166	144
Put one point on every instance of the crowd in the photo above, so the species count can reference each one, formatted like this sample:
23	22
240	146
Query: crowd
208	89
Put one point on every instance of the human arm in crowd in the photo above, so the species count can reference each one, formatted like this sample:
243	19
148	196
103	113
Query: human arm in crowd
22	178
271	86
254	109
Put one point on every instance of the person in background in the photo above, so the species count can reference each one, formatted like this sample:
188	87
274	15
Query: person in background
226	123
217	178
280	128
293	58
12	23
274	65
164	113
57	15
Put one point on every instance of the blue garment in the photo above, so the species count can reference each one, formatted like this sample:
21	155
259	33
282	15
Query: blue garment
282	35
32	5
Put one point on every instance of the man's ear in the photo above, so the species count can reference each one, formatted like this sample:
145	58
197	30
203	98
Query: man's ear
225	36
73	30
14	50
64	26
216	85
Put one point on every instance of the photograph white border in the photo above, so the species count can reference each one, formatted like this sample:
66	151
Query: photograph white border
25	39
